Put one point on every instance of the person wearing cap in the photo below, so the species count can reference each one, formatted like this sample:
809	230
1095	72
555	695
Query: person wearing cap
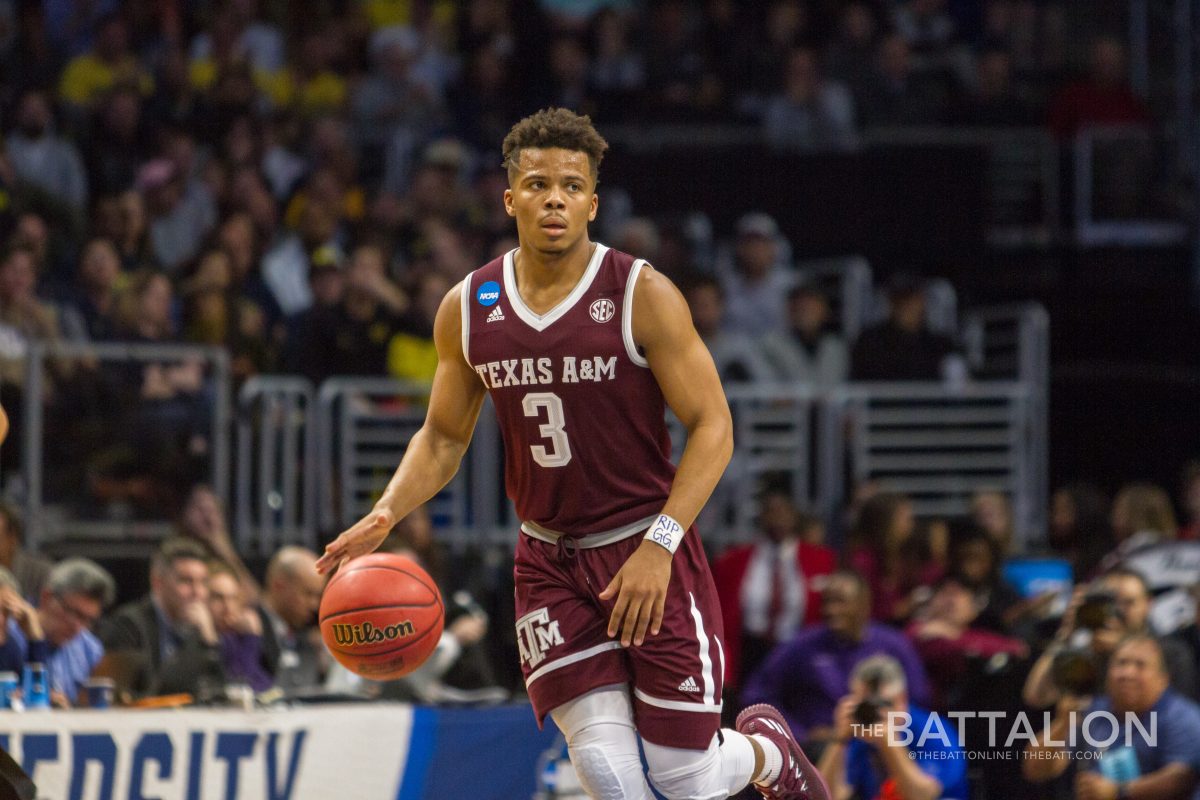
808	349
758	283
902	347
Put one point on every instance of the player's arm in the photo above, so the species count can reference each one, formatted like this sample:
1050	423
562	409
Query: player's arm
687	376
435	452
684	369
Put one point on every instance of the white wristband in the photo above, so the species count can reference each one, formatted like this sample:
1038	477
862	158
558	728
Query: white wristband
666	532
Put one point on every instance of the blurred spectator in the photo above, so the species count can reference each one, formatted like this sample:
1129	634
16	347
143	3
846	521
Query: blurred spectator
327	282
58	632
41	157
902	348
238	627
1189	501
810	112
352	337
678	84
896	94
1080	530
117	142
308	83
949	639
851	53
809	350
121	218
390	97
22	639
993	100
203	519
216	313
566	84
1142	516
779	27
881	551
769	588
993	512
975	561
411	353
108	63
166	642
29	569
182	210
484	103
255	39
291	647
91	314
866	756
285	264
1099	616
756	287
736	357
1164	767
618	70
24	318
1103	97
806	677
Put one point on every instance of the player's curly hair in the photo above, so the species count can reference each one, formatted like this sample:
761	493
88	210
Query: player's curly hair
555	127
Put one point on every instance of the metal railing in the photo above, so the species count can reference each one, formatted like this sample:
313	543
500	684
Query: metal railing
46	520
939	445
276	497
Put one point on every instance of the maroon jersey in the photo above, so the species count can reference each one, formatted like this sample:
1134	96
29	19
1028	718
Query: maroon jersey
586	448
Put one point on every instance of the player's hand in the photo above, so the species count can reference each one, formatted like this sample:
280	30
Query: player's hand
1094	786
357	540
640	587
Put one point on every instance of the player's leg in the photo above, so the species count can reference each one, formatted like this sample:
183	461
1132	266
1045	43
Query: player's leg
575	673
603	744
678	681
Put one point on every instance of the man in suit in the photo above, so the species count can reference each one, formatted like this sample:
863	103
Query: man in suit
290	641
167	641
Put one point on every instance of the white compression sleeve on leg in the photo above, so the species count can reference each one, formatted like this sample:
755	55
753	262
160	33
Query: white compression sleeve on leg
602	741
712	774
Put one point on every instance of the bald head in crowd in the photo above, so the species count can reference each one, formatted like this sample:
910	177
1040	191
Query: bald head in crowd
293	590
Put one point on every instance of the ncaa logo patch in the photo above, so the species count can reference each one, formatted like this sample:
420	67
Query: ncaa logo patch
488	294
603	310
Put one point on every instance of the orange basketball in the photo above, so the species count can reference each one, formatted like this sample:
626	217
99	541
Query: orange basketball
381	616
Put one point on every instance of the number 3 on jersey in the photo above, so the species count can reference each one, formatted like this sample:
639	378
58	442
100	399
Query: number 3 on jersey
558	454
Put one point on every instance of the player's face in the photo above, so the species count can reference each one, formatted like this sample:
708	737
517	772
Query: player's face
552	196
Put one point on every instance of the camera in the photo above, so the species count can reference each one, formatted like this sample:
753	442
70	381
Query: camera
1096	610
1076	672
870	711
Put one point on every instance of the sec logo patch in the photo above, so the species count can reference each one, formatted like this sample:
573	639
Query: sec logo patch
603	310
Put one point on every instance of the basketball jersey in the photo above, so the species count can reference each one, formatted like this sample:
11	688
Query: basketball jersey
586	448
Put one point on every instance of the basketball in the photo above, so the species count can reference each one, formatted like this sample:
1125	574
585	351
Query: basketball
381	616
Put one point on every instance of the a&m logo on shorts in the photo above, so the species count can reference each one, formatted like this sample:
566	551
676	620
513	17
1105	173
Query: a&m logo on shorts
603	310
536	634
488	294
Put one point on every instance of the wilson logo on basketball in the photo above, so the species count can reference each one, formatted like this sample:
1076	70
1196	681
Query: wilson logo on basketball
366	633
603	310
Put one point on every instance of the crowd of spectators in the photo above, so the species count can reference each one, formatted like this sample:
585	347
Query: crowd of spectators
302	190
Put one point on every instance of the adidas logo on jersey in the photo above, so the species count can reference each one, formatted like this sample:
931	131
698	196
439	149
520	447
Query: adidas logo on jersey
689	685
496	316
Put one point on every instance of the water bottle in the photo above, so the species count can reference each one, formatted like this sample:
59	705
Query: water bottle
37	686
8	685
1119	764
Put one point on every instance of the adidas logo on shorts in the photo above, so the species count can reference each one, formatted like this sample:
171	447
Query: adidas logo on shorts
496	316
689	685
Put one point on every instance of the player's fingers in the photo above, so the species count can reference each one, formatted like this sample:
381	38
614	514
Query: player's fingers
611	590
631	616
618	614
656	616
645	615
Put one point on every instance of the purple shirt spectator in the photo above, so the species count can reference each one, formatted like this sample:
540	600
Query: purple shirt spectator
241	655
806	677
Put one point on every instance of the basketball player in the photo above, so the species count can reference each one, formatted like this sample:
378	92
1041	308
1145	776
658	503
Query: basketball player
617	619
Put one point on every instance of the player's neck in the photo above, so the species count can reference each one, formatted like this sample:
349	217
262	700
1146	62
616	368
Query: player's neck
541	272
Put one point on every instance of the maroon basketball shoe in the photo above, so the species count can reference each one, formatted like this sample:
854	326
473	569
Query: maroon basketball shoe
799	779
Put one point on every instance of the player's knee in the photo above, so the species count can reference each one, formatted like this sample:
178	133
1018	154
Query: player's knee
605	775
687	774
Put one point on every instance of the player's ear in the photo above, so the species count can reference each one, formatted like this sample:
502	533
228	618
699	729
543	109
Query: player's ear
508	203
595	206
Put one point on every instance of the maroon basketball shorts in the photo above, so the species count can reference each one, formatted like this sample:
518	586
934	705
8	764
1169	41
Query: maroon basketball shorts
562	632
